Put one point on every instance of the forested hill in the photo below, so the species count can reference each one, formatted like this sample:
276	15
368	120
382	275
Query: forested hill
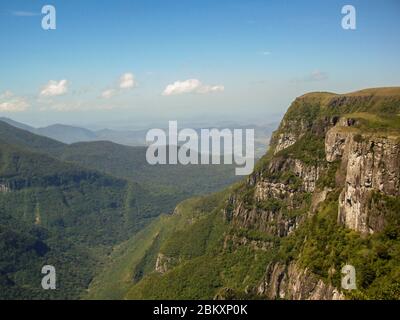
59	214
28	140
167	184
69	205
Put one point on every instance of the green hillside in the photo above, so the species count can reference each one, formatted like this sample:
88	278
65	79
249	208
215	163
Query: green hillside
18	137
25	249
58	212
135	258
69	205
168	184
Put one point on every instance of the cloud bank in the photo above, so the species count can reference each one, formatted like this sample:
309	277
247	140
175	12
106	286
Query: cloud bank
11	103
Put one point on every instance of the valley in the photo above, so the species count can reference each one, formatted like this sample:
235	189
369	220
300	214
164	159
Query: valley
69	205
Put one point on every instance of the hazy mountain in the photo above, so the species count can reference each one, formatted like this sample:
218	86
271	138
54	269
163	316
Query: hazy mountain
72	134
67	134
125	137
15	136
18	124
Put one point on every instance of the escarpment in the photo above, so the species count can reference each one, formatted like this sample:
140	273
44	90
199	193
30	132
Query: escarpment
325	195
370	163
323	146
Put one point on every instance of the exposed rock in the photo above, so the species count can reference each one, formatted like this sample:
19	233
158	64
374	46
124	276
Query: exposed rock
291	282
318	197
371	164
4	188
273	220
335	142
285	140
163	263
290	132
309	174
269	221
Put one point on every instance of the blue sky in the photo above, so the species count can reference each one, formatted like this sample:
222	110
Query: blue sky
112	61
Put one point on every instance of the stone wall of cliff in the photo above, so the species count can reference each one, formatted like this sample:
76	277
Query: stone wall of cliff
289	185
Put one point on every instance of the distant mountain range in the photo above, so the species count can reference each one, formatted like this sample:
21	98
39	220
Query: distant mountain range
72	134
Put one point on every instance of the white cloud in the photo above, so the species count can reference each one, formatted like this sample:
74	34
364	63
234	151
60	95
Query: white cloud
127	81
11	103
107	94
209	89
54	88
191	86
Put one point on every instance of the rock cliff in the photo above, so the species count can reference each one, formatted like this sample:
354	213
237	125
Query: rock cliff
322	147
326	195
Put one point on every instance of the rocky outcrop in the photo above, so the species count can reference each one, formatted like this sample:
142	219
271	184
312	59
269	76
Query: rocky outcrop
289	132
308	173
271	221
370	164
291	282
272	199
4	188
163	263
285	140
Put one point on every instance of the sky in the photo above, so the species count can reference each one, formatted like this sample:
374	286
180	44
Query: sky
130	63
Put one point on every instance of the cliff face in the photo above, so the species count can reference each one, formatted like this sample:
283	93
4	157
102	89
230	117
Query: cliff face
370	164
275	200
320	148
291	282
326	194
